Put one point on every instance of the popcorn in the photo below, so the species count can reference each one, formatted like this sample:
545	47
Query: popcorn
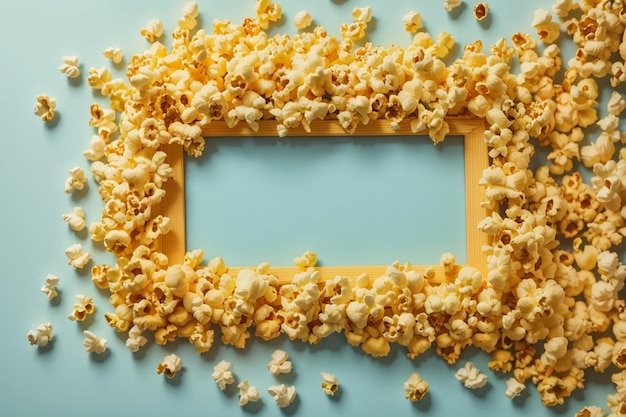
514	388
44	107
98	77
75	219
282	395
82	308
70	66
222	374
449	5
170	366
470	376
135	339
481	10
153	30
41	336
76	180
113	53
547	30
416	388
307	260
362	14
93	343
247	393
49	287
329	383
302	20
279	363
78	258
412	21
190	13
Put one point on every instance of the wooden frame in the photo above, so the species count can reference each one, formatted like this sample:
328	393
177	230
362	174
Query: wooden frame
476	160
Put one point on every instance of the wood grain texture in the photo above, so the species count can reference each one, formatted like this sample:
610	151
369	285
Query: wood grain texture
475	156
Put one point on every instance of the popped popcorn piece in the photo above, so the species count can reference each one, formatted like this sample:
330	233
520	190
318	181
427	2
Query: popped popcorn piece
412	21
93	343
302	20
307	260
98	78
590	411
70	66
266	12
416	388
282	395
190	13
78	257
547	30
514	388
75	219
362	14
153	30
222	374
330	385
49	287
471	377
135	339
170	366
44	107
481	10
247	393
449	5
76	180
279	363
40	336
82	308
113	53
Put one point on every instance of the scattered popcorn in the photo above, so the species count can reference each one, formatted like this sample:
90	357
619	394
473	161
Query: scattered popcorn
135	339
76	180
93	343
153	30
70	66
78	258
514	388
82	308
471	377
247	393
307	260
75	219
222	374
282	395
113	53
41	336
279	363
449	5
190	13
49	288
170	366
590	411
481	10
547	30
412	21
362	14
302	20
98	77
44	107
329	383
416	388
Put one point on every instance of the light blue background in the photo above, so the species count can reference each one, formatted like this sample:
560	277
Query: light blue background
63	380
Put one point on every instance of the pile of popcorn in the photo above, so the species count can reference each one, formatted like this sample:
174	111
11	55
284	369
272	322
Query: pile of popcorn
546	314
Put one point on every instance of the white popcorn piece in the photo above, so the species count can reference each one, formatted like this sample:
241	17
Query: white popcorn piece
170	365
590	411
153	30
449	5
135	339
41	336
307	260
49	287
362	14
93	343
70	66
78	257
113	53
190	12
302	19
75	219
222	374
247	393
44	107
82	308
416	388
282	394
514	388
76	180
470	376
412	21
279	363
330	385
